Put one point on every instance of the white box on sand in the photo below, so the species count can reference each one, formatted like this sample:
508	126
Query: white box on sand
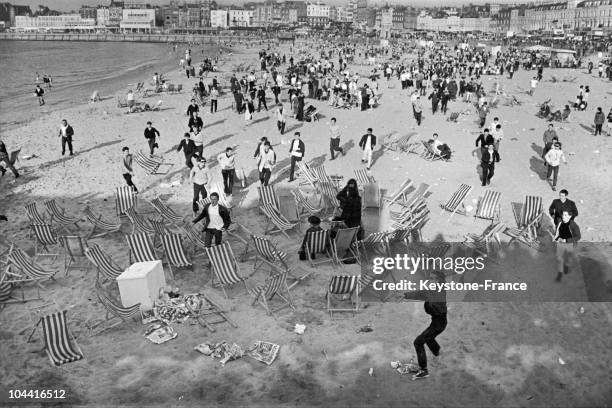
140	283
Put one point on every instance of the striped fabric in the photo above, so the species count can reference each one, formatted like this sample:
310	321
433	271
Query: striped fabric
489	205
165	212
98	222
59	214
531	209
343	284
413	221
140	248
224	264
44	235
159	227
277	219
362	177
58	344
173	247
320	173
343	242
306	175
139	223
191	233
267	196
124	200
457	198
330	192
400	192
33	214
481	241
398	235
272	285
266	250
102	262
113	307
148	164
304	204
417	195
22	261
317	241
6	288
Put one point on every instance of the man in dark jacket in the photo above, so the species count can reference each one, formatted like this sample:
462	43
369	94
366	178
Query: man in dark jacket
487	162
66	132
150	133
188	147
435	306
261	98
217	219
296	151
195	122
193	107
599	120
484	139
566	238
562	204
367	144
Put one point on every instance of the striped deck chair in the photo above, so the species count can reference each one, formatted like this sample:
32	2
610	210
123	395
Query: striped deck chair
376	242
240	234
166	213
114	310
268	254
362	177
175	254
489	206
304	206
140	249
267	196
305	175
320	173
399	194
60	346
23	269
531	210
391	141
413	221
481	243
275	218
343	286
45	237
225	268
99	223
415	196
139	223
59	214
372	196
342	246
456	200
194	236
150	165
159	227
125	199
7	290
318	242
102	262
74	248
527	235
407	213
34	215
432	154
330	192
274	285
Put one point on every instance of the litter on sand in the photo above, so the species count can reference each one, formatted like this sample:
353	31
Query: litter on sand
299	328
222	351
263	351
365	329
158	333
405	368
561	361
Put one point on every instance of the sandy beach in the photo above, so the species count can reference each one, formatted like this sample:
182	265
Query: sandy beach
515	353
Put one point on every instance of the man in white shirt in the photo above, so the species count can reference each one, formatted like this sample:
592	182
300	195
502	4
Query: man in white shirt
199	177
198	139
217	219
498	135
534	84
334	138
214	96
227	162
296	151
553	159
267	159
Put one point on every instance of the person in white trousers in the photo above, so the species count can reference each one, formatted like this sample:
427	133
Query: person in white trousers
367	143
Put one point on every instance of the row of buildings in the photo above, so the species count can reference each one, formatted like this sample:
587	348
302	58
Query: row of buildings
136	15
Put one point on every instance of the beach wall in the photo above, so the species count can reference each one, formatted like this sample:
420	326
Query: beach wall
147	38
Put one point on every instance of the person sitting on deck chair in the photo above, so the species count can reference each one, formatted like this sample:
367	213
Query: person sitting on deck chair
315	225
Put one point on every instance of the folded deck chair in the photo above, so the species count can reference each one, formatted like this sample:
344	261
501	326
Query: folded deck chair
430	153
225	268
74	248
194	236
102	262
305	175
267	196
23	269
376	242
527	235
329	193
303	205
318	242
99	223
114	310
277	220
456	200
532	208
268	254
362	177
125	198
342	245
399	236
274	286
398	194
140	249
166	213
45	237
390	141
343	286
372	196
408	212
34	215
59	214
175	254
151	165
489	206
139	223
60	346
482	243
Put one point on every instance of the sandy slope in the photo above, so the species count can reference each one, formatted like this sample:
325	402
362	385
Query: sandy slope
504	354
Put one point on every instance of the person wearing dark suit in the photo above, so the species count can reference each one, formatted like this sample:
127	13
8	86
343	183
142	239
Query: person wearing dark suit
188	147
296	150
562	204
217	219
487	163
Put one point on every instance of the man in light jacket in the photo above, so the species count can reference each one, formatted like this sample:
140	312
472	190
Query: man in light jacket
553	159
367	143
296	151
217	219
267	159
126	168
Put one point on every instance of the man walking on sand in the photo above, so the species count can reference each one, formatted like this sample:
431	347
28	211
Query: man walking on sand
367	144
296	151
562	204
267	159
417	109
188	147
126	168
150	133
334	138
599	120
66	132
228	167
487	162
199	177
217	220
553	159
567	235
39	92
214	96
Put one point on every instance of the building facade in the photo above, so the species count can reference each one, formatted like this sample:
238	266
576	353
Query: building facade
138	20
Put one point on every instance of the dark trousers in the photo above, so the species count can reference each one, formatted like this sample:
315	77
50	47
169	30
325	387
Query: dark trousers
437	326
281	126
198	189
444	106
213	105
554	170
294	159
418	116
188	162
276	99
66	140
365	102
200	150
228	180
264	176
209	233
334	146
488	169
482	121
260	102
152	145
598	129
130	183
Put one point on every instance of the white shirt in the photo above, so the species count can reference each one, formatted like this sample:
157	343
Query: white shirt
294	147
226	163
63	130
199	175
266	160
214	219
198	138
534	83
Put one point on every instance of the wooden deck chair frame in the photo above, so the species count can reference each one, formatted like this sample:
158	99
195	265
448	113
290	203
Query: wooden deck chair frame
125	198
344	242
525	234
166	213
482	243
328	194
140	248
45	236
305	175
343	285
33	214
113	310
99	223
59	214
303	205
277	220
430	153
399	193
320	245
241	234
29	269
222	256
74	247
64	349
103	262
152	166
362	177
190	231
489	207
456	200
139	222
370	242
174	253
7	289
274	286
267	253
